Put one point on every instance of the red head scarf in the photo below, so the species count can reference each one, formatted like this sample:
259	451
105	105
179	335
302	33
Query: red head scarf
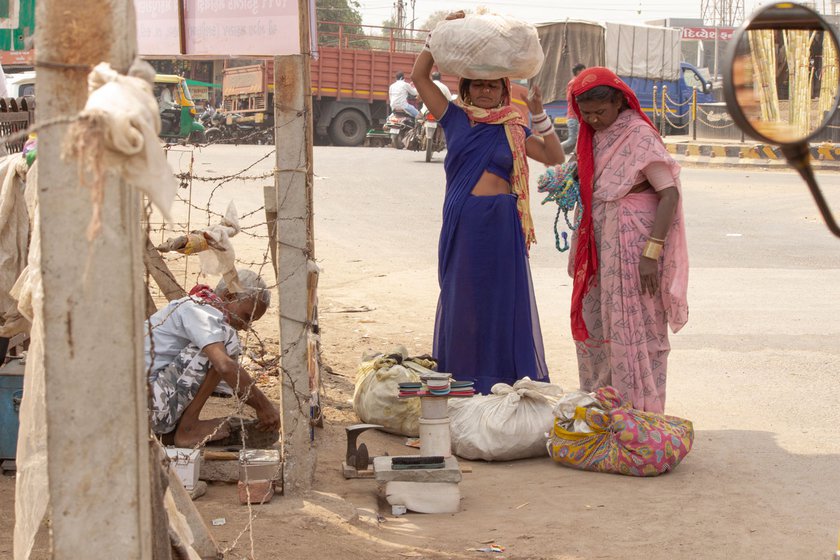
586	256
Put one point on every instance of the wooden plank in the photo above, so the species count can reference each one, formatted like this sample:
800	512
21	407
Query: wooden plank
270	196
159	270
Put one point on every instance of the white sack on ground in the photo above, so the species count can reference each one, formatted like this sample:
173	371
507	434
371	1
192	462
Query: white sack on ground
509	424
118	130
14	240
487	46
566	407
376	397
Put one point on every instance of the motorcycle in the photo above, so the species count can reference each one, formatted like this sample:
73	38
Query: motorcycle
398	126
213	123
432	139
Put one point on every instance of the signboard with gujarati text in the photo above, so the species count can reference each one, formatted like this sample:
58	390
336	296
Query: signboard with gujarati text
218	27
707	33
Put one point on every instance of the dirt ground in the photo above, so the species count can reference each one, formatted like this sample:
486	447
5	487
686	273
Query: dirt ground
757	380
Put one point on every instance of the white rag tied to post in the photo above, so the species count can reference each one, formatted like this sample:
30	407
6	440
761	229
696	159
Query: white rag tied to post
118	130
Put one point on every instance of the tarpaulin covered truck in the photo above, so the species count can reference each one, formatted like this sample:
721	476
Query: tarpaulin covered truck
647	58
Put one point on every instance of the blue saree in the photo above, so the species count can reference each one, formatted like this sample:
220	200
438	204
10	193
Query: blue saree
487	327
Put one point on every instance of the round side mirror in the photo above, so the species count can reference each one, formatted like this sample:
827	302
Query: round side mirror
782	83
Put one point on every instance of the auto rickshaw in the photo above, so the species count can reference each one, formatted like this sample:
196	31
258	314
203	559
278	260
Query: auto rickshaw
177	110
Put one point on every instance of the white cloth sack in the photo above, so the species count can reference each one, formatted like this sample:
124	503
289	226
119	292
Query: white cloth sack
220	257
509	424
566	407
376	398
487	46
31	489
14	240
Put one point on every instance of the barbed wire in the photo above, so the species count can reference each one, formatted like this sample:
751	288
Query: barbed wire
254	347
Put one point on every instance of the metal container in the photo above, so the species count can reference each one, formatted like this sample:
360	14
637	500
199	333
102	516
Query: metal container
259	464
11	393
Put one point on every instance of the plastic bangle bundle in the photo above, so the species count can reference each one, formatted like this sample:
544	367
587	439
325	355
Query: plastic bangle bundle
542	125
562	185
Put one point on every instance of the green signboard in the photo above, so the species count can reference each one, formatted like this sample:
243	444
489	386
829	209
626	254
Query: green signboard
15	39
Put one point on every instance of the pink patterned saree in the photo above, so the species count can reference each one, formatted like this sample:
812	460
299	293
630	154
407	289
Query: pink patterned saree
628	343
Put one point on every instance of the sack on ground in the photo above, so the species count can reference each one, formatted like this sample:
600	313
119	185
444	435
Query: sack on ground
375	398
511	423
605	435
488	47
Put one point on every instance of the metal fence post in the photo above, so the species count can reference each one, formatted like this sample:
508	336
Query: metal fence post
662	126
655	112
694	113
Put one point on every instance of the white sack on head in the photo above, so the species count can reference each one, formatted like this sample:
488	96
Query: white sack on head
118	130
487	47
509	424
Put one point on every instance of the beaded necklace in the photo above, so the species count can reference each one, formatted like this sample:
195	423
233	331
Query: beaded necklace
563	187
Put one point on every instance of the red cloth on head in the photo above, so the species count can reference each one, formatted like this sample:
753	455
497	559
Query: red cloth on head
586	255
205	293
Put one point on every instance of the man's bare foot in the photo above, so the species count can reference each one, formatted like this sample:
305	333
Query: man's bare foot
193	433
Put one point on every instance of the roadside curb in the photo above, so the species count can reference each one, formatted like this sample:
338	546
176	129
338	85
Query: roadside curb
824	156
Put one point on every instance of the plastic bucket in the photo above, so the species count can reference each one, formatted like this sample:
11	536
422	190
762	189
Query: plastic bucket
434	437
434	408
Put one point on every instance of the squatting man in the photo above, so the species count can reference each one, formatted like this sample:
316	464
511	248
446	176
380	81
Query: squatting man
192	353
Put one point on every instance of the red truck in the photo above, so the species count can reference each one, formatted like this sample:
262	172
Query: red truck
350	80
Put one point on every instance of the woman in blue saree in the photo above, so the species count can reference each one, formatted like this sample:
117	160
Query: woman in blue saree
487	326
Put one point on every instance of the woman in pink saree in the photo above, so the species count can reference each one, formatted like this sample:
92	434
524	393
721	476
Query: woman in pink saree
629	259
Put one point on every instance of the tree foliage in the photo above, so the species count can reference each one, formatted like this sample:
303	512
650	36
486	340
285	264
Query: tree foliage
437	17
332	13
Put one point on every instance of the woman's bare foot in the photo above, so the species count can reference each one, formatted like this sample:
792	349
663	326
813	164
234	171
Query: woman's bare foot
190	434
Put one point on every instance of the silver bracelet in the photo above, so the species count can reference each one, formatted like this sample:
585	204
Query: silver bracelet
539	117
543	127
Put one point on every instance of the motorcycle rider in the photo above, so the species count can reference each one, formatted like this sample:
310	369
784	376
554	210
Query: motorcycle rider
398	94
441	86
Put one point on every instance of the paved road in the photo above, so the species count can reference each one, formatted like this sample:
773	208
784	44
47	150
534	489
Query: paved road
755	368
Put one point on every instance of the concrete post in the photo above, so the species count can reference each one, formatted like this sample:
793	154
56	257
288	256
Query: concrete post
293	119
97	424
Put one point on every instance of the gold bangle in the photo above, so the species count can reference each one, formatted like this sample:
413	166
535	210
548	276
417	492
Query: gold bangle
655	240
652	250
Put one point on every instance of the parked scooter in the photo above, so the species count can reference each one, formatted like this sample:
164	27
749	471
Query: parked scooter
398	126
213	123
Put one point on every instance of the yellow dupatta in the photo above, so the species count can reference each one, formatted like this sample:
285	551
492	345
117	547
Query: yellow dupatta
515	132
